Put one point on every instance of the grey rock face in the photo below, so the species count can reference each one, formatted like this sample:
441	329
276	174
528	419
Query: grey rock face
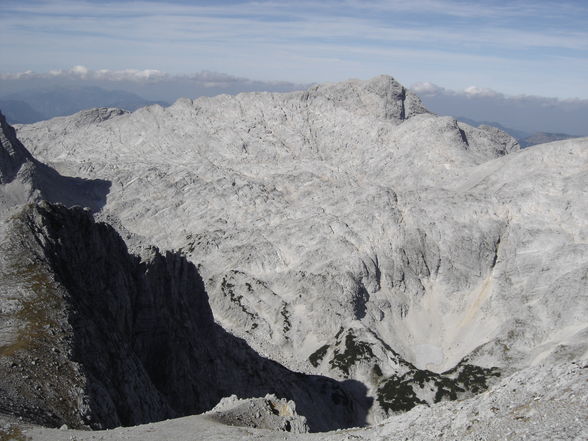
381	97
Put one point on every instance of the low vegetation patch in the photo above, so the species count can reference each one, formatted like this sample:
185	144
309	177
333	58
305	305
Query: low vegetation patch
354	351
317	356
402	393
12	433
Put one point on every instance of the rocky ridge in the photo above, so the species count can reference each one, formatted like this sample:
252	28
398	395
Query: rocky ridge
346	231
24	178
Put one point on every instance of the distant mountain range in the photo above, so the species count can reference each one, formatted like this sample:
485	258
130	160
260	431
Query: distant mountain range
525	139
543	137
30	106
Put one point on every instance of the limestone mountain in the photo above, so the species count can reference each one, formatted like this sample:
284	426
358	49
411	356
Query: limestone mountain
346	231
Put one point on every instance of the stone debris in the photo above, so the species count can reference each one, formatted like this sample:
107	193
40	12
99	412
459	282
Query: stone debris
268	412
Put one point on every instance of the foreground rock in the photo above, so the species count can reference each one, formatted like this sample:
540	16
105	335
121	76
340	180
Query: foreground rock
539	403
269	412
95	337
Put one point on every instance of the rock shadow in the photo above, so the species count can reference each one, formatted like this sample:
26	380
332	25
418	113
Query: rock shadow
326	403
71	191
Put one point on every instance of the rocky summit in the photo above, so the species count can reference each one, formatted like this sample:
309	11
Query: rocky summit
340	247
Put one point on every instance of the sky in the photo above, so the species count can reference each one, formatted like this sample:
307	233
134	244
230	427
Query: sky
514	47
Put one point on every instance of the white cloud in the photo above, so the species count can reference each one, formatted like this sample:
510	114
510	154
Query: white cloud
80	71
84	73
129	74
426	88
530	113
480	91
204	78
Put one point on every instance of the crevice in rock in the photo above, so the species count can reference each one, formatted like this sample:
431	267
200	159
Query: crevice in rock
463	136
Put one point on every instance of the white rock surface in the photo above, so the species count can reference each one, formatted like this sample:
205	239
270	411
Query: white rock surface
348	210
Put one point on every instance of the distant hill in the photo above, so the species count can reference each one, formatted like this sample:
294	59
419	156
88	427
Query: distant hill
525	139
39	104
20	112
515	133
543	137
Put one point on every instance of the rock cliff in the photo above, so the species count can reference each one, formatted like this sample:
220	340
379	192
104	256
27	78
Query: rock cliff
95	337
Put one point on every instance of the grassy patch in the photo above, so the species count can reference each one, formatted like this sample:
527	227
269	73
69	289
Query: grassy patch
36	312
473	378
286	316
228	289
396	394
400	393
13	433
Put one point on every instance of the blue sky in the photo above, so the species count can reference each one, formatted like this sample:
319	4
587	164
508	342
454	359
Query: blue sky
515	47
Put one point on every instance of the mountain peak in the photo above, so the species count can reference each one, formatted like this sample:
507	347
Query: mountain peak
381	96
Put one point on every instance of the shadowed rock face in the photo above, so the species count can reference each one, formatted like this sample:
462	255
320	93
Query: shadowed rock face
102	338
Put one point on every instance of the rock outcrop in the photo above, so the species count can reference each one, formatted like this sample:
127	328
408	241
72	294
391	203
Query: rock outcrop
269	412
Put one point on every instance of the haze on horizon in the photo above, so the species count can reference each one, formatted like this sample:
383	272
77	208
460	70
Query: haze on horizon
477	54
